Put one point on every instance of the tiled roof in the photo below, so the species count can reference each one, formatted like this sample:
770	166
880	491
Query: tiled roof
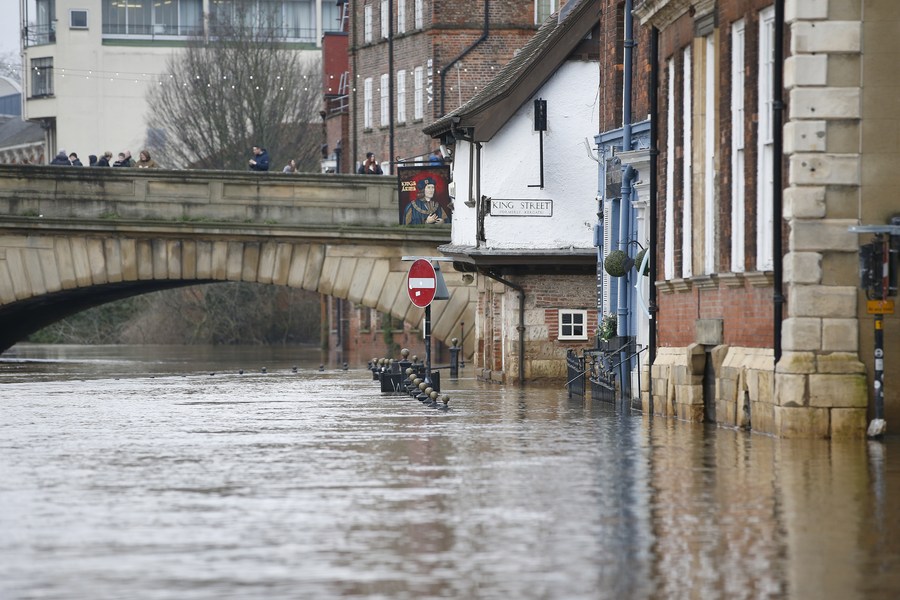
16	132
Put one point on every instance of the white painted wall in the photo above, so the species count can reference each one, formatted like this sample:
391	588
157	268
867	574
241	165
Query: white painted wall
511	162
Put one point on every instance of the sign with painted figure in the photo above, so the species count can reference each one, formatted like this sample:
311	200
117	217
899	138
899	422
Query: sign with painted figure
421	283
521	208
424	195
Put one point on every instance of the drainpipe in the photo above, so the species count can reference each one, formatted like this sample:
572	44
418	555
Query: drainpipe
626	83
521	327
391	152
654	153
777	199
484	35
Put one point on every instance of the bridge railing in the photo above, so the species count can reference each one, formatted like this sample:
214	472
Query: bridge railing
198	196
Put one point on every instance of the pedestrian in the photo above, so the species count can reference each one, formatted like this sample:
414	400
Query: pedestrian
435	158
74	160
129	162
260	160
103	161
61	159
92	160
121	161
291	167
146	162
371	166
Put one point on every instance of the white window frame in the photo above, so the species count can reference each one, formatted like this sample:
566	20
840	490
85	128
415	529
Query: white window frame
367	103
738	180
687	239
577	324
543	9
367	24
419	14
709	160
765	142
72	12
385	91
401	16
385	21
669	259
401	96
419	94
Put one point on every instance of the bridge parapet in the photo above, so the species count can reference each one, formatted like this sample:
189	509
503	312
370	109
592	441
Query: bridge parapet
214	196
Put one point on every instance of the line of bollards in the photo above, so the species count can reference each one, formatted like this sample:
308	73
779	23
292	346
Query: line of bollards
409	376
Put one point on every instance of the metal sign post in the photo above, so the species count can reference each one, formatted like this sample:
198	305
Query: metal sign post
878	279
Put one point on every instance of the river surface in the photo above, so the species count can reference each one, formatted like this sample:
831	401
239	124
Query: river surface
165	473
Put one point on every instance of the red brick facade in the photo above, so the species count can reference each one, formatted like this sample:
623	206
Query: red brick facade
449	28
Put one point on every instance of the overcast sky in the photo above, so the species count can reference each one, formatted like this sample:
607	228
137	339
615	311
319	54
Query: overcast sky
9	26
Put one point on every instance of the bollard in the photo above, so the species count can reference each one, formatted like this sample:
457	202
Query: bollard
445	399
421	395
432	398
321	367
454	358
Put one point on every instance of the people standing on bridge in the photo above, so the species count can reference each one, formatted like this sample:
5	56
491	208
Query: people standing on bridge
260	160
291	167
120	160
61	159
92	160
103	161
146	162
74	160
129	162
371	166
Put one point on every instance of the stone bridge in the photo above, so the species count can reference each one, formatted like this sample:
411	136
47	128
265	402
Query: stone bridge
76	237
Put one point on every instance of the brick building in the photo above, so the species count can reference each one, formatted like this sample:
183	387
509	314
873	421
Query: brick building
761	322
411	61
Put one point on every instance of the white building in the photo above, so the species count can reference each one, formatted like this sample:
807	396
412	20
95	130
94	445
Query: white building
88	63
525	200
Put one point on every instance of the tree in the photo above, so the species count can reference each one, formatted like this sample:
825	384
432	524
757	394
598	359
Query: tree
241	85
11	66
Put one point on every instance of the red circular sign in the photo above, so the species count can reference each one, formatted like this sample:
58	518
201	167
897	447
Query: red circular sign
421	283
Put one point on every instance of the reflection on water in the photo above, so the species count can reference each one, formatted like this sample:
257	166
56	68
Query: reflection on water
157	473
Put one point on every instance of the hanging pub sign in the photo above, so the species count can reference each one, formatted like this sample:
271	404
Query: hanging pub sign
424	194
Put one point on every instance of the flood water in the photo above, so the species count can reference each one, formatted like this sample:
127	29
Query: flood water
163	472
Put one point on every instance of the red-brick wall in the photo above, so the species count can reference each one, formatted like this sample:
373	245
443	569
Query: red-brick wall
746	313
451	29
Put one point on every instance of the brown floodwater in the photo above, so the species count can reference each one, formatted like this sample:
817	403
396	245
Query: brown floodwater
165	472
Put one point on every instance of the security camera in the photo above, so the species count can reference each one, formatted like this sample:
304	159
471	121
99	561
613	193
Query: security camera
445	151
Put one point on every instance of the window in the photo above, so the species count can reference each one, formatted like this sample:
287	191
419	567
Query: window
78	19
401	96
572	324
543	9
401	16
367	24
385	20
419	16
709	161
419	94
385	100
669	260
687	238
332	13
177	17
41	77
765	140
737	147
41	24
367	103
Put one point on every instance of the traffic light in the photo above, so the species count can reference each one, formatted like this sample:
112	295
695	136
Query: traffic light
874	258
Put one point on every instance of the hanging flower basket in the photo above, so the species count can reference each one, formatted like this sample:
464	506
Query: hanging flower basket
617	263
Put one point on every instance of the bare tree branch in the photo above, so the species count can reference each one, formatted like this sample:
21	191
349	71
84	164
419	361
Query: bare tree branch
242	86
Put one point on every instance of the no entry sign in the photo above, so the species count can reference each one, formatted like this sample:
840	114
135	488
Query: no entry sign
421	283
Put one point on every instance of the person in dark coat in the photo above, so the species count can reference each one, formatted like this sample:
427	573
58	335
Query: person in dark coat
103	161
260	160
74	160
61	159
92	160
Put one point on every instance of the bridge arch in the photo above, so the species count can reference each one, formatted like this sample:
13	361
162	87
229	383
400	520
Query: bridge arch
47	274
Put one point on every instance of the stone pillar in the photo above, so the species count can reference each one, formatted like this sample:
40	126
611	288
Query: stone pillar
820	382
